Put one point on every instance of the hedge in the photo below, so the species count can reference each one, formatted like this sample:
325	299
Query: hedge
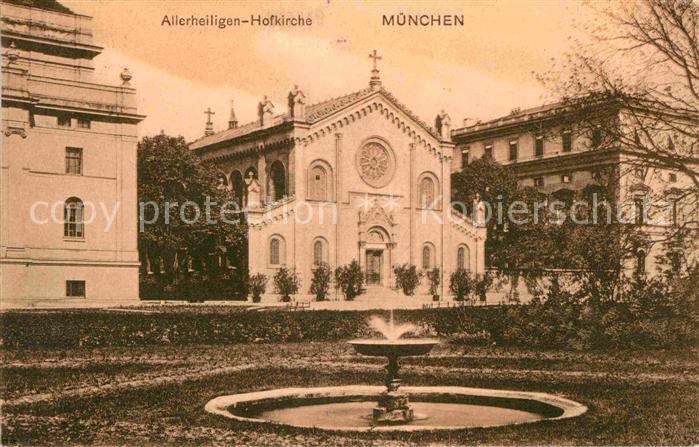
545	326
65	329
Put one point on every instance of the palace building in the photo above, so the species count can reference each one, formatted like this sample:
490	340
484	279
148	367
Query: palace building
549	149
68	214
357	177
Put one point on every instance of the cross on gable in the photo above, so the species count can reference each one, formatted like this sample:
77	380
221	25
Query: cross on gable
209	112
374	55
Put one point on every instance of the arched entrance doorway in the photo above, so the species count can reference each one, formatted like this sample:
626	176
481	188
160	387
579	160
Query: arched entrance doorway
377	255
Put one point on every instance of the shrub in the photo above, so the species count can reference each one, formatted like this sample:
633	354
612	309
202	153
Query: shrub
287	283
461	284
258	286
193	286
320	283
407	278
434	277
481	286
350	279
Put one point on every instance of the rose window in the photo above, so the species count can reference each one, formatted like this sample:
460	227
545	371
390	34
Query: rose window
375	163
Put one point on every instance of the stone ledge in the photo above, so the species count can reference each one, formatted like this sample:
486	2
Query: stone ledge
220	405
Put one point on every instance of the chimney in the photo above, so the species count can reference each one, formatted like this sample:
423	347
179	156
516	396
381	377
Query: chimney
232	120
265	112
297	104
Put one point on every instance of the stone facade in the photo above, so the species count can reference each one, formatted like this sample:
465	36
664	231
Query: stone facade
358	177
68	144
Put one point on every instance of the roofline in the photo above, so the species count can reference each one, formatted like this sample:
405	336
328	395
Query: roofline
69	14
277	128
514	122
288	122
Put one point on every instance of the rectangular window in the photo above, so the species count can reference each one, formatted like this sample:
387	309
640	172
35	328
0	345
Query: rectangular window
640	208
538	182
464	157
674	212
513	150
83	123
488	150
567	138
539	146
75	288
63	120
566	178
74	160
672	177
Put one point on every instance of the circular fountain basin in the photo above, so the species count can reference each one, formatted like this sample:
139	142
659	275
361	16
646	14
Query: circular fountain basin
345	408
394	348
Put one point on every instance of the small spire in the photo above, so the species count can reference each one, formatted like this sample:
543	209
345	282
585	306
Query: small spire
209	130
232	120
375	80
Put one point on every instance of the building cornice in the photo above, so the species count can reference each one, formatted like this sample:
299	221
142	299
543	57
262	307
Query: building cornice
566	162
53	46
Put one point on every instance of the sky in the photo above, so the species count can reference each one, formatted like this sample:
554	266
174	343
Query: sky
480	70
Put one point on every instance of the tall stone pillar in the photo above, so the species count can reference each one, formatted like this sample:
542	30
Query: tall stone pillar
291	172
338	199
262	175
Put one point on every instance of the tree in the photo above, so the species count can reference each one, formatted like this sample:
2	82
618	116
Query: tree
461	284
532	245
320	283
513	248
407	278
350	279
644	99
286	283
434	276
177	227
258	286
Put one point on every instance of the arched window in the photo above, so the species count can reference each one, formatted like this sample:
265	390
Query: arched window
73	224
238	187
427	192
319	182
317	253
277	251
463	258
277	181
427	254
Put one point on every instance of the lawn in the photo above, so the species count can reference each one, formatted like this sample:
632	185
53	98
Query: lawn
155	395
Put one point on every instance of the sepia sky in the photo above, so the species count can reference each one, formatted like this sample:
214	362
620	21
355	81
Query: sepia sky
479	70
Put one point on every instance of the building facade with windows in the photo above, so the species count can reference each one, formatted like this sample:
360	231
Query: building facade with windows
563	158
68	214
358	177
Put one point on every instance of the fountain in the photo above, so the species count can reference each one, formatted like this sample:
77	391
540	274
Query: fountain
393	405
356	408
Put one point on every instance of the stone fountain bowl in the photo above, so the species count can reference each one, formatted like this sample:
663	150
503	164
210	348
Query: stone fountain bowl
406	347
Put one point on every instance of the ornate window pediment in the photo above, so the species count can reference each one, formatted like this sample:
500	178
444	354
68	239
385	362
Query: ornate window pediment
377	215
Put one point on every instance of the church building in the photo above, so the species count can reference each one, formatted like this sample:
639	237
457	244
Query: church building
357	177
